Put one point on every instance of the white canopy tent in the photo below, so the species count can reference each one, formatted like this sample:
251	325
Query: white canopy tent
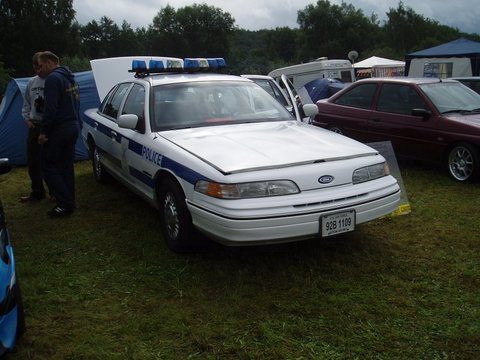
377	61
379	67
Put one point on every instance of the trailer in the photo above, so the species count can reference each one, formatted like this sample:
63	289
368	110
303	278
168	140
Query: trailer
321	68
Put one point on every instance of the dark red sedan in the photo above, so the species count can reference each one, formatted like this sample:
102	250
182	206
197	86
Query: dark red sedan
429	119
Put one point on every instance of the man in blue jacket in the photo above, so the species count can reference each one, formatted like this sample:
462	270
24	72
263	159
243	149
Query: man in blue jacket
59	132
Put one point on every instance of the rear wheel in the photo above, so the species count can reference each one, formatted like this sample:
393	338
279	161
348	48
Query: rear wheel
175	219
463	162
99	172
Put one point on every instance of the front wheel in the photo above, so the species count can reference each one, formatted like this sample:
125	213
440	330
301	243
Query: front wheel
335	129
175	219
463	162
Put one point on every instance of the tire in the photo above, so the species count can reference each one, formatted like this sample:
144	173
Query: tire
463	162
335	129
99	172
175	218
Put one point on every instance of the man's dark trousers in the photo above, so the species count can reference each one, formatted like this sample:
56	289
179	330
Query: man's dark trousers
58	163
34	156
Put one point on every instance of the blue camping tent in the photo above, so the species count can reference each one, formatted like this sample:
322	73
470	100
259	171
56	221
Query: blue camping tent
460	48
318	89
13	132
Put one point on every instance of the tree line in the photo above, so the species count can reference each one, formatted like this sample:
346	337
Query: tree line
200	30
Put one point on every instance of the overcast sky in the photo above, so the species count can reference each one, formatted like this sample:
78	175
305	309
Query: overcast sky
267	14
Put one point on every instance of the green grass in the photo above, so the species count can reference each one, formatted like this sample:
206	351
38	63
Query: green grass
102	283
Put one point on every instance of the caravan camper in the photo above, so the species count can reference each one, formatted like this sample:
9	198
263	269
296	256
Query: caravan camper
322	68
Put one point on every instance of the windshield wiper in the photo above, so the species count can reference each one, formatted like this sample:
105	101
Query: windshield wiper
461	111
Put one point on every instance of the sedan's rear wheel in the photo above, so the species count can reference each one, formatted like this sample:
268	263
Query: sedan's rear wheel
176	221
463	162
99	172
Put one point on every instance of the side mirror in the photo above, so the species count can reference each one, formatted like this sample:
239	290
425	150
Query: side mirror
421	112
128	121
5	166
310	110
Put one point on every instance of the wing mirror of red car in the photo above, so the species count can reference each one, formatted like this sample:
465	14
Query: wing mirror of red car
421	112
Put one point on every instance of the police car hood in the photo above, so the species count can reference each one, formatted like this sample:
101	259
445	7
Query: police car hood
248	147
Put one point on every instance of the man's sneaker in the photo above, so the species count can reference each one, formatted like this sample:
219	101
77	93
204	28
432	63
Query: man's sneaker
59	211
30	198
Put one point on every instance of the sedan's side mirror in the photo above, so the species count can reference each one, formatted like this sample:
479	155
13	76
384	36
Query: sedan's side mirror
128	121
421	112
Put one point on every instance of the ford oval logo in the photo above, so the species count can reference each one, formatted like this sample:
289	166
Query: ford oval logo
325	179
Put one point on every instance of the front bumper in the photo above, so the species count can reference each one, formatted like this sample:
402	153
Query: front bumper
294	217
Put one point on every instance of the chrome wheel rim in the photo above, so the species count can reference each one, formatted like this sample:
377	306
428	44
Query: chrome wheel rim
460	163
171	216
96	162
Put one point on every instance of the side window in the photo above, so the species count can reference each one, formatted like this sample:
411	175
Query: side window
112	106
278	95
135	104
399	99
360	96
106	99
272	90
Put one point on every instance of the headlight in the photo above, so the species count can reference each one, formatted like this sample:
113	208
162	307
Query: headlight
371	172
247	190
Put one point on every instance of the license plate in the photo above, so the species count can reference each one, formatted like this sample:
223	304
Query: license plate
337	223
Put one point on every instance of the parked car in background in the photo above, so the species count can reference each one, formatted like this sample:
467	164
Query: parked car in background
271	86
218	154
430	119
12	319
473	82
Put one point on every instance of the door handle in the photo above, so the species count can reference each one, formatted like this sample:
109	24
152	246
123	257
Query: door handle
113	135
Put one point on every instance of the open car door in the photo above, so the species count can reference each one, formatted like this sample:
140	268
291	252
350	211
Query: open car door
298	106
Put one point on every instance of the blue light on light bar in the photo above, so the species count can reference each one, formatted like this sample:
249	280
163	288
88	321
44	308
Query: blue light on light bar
194	64
156	65
139	65
221	62
212	63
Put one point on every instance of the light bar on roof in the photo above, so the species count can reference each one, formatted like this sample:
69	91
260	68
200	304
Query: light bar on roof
176	65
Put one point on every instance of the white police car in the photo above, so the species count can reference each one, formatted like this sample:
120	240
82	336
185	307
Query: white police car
217	153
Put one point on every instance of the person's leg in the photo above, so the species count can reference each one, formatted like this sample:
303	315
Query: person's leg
34	165
52	160
67	166
59	153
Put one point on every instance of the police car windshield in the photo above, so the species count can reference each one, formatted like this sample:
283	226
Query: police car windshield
210	103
